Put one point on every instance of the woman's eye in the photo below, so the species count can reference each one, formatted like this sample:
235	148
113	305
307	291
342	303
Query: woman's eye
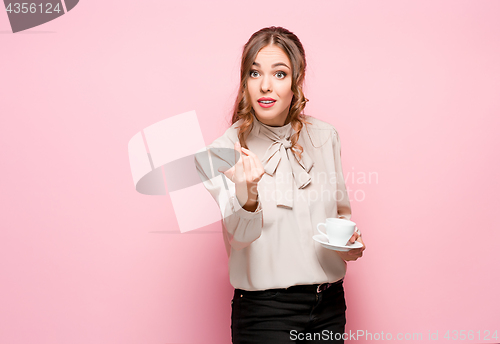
252	72
282	73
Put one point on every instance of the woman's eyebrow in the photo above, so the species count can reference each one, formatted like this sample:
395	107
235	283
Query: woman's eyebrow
274	65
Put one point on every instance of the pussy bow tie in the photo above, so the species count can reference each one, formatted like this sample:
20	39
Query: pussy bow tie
279	158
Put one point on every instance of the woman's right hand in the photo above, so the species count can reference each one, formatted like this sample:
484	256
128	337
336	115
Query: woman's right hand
245	174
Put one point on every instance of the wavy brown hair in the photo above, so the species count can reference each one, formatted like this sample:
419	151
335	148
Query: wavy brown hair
291	46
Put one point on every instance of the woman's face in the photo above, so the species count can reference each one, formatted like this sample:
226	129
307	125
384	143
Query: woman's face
271	79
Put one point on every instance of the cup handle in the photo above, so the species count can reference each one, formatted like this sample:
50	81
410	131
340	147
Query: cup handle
317	227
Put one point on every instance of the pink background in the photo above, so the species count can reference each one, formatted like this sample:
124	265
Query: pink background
412	88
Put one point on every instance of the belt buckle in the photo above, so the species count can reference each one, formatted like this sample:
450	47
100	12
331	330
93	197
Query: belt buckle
322	287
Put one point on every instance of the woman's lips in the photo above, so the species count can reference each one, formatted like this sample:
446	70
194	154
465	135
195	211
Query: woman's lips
266	103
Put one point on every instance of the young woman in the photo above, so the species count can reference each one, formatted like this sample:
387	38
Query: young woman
281	178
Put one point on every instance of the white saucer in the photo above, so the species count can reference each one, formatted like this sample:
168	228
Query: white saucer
320	238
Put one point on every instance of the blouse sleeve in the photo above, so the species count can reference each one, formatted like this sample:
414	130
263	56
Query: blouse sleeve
243	227
343	204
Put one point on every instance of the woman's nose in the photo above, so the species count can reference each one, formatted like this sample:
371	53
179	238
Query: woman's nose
266	84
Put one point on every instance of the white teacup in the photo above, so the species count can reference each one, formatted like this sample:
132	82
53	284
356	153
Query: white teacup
338	231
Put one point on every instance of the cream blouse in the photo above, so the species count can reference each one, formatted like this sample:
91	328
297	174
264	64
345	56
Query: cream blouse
273	247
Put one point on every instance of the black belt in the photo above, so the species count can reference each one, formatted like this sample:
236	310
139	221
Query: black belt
317	288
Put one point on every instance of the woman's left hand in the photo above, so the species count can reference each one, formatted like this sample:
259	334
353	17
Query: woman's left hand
355	253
